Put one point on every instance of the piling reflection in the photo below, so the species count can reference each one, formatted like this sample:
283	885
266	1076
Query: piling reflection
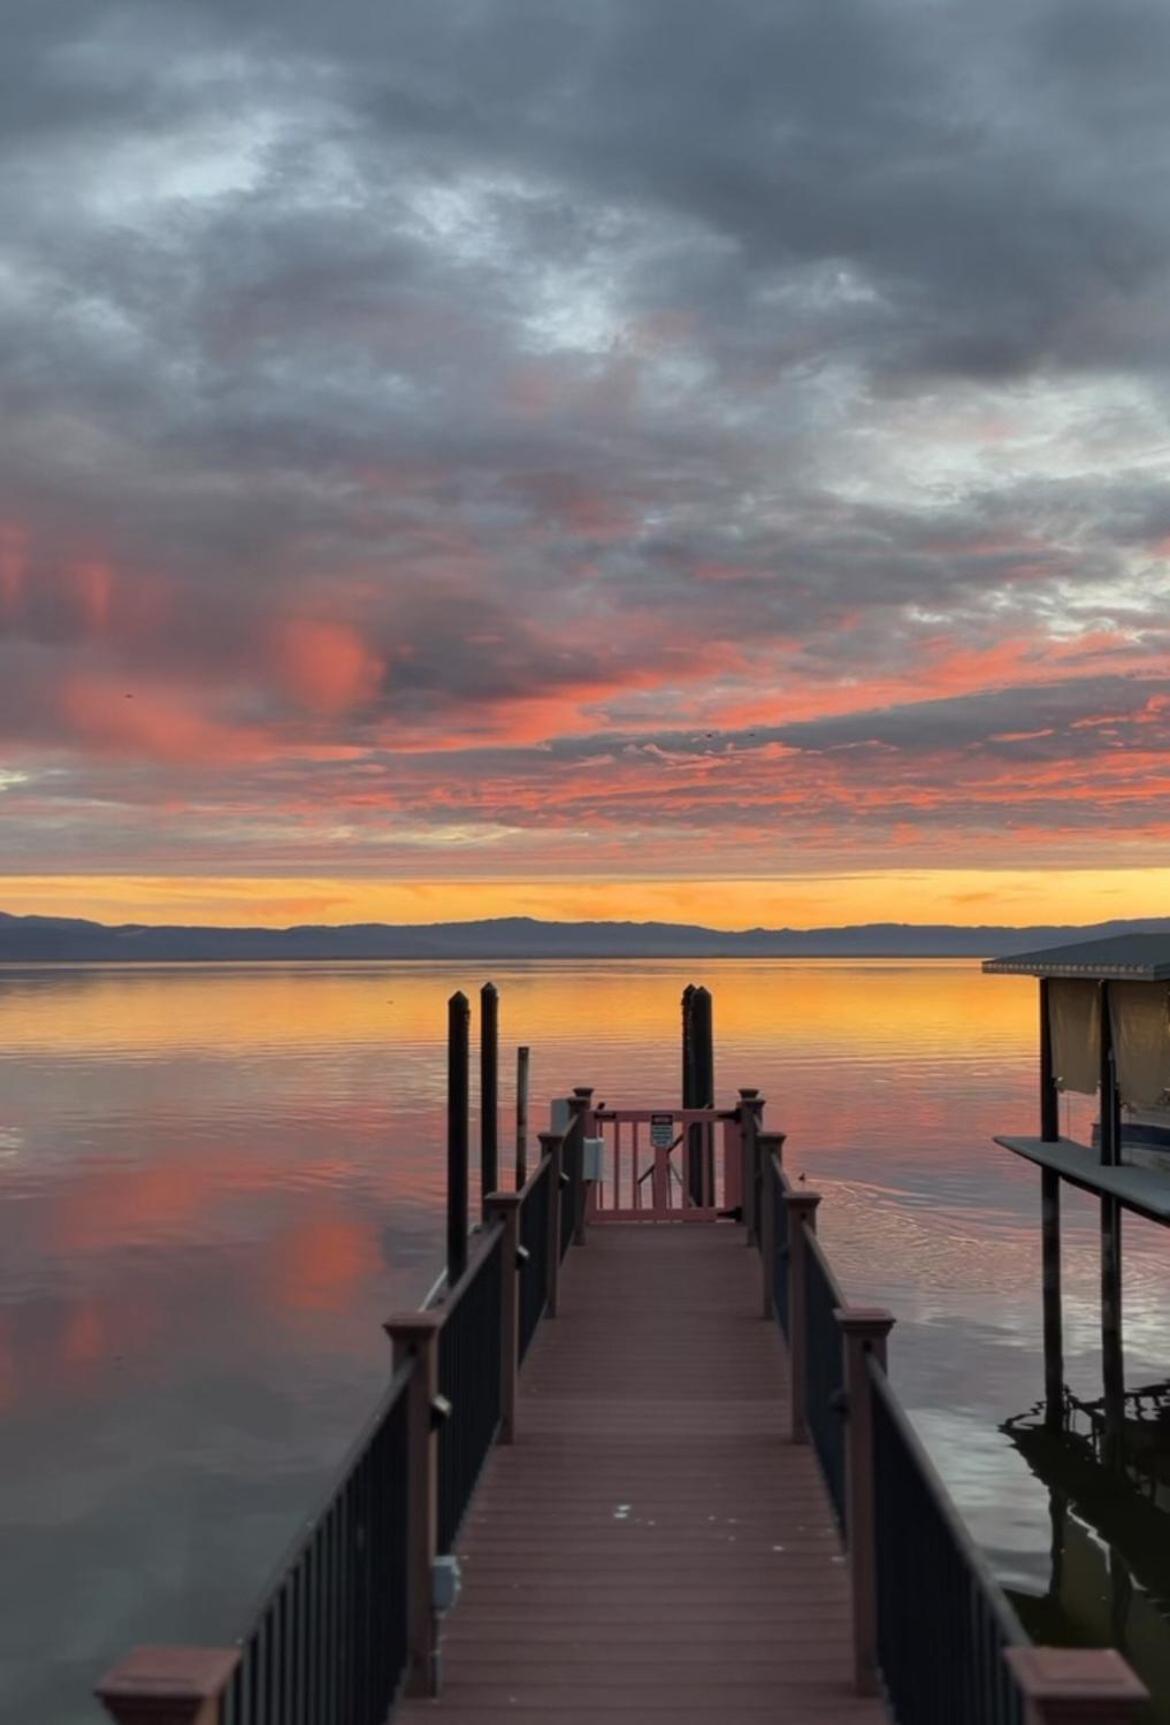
1109	1514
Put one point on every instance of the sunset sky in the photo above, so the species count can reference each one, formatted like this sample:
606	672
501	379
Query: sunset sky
587	458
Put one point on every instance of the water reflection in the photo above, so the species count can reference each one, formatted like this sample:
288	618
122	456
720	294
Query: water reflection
1109	1511
216	1181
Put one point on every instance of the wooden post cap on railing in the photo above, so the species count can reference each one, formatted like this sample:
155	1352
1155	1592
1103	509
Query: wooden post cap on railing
412	1329
1077	1685
802	1204
867	1323
168	1685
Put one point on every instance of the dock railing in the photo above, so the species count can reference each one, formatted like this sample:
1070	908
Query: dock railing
350	1620
933	1631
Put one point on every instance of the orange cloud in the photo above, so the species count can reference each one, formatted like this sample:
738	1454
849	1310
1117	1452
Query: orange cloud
150	723
325	667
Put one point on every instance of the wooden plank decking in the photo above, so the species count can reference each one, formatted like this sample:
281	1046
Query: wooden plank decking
652	1544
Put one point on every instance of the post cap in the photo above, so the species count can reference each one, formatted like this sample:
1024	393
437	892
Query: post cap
166	1683
803	1198
585	1091
502	1201
413	1329
549	1140
748	1095
767	1138
868	1322
1090	1684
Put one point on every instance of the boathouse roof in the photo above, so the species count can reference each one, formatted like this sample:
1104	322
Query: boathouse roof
1121	957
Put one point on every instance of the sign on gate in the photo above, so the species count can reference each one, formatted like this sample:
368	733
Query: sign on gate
661	1131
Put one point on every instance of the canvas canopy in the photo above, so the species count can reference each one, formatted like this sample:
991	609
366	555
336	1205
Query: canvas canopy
1139	1021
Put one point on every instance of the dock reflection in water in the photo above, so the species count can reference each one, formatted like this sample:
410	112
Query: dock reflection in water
1109	1574
215	1182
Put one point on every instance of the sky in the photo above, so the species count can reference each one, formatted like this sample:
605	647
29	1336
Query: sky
618	457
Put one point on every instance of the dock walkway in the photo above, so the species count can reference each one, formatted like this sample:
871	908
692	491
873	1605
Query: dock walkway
652	1543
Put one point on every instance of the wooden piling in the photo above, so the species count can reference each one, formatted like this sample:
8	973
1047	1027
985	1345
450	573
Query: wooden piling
458	1132
489	1092
522	1064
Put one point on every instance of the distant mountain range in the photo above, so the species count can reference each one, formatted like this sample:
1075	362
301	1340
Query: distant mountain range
68	940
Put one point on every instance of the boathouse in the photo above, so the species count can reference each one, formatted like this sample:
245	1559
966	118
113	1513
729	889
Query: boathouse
1104	1032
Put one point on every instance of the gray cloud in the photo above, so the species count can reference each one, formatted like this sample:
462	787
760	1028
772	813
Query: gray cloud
617	357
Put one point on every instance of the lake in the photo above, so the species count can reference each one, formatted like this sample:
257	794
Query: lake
216	1181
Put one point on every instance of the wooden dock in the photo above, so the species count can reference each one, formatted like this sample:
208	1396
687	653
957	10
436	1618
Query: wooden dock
637	1439
652	1543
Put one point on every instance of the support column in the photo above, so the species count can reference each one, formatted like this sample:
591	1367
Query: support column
169	1685
802	1212
864	1330
416	1336
1112	1358
1050	1280
1076	1686
506	1206
552	1145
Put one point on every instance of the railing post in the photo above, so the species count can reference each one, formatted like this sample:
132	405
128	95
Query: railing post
768	1144
416	1336
506	1205
168	1685
864	1330
581	1108
802	1211
552	1145
751	1114
1077	1685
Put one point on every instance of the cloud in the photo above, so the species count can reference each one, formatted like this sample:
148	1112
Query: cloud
515	417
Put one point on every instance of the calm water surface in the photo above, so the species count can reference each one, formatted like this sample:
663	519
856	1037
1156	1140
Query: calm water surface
215	1182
